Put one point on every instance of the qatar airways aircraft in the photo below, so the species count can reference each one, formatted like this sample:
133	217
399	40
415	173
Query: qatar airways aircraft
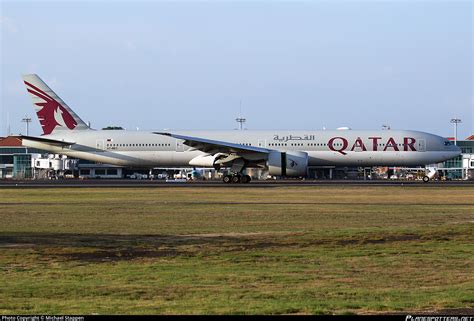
281	152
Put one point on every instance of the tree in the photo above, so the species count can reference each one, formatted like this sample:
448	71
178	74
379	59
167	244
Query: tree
112	128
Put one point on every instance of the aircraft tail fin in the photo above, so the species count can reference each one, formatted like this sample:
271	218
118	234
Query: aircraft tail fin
53	113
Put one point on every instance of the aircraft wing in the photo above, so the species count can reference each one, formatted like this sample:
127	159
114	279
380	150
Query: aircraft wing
49	141
214	146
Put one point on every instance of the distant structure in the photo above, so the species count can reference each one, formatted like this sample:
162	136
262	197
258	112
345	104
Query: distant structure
385	127
241	122
456	121
26	120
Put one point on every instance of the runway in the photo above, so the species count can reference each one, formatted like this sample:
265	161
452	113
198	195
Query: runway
129	183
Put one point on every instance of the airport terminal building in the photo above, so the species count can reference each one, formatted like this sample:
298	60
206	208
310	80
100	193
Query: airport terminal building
20	162
461	167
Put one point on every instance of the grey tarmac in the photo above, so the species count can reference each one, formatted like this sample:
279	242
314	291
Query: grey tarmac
124	183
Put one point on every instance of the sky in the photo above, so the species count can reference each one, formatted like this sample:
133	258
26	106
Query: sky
281	65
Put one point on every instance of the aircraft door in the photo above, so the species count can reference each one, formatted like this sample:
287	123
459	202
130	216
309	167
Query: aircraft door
421	145
261	143
179	146
99	145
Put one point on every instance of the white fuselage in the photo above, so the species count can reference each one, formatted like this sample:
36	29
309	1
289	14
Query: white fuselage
340	147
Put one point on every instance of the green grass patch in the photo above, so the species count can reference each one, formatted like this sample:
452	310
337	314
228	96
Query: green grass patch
282	250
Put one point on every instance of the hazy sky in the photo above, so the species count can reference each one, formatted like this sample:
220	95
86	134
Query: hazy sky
294	65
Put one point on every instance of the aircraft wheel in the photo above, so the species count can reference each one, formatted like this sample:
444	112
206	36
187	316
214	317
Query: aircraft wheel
246	179
236	179
426	179
227	179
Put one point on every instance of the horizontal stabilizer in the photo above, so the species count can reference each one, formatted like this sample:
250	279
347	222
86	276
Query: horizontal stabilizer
53	142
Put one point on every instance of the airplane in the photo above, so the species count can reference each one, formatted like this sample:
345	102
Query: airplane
282	152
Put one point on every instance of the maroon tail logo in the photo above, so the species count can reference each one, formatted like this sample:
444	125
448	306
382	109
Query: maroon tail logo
51	114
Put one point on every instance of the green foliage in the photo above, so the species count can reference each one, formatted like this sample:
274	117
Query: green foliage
112	128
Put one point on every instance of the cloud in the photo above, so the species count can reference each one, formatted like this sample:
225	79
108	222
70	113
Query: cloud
130	46
388	70
53	83
8	25
15	87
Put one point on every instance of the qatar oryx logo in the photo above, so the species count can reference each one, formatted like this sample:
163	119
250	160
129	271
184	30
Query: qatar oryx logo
52	113
292	163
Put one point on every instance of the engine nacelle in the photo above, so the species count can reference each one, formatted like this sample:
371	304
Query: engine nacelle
287	163
205	160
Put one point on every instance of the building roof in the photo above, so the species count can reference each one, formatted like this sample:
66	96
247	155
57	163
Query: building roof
468	138
10	141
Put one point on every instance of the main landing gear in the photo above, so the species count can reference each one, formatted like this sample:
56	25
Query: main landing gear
237	178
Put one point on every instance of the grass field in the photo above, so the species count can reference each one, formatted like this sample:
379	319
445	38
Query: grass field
275	250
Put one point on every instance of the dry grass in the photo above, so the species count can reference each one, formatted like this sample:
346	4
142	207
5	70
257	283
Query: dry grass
228	250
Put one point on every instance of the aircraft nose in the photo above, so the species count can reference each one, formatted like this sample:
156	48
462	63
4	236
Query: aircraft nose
457	150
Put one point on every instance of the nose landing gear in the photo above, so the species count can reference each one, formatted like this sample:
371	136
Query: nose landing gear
236	178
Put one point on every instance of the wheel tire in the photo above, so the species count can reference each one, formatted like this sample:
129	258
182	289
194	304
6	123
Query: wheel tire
246	179
426	179
227	179
236	179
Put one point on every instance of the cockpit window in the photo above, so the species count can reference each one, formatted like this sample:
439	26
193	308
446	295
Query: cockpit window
448	143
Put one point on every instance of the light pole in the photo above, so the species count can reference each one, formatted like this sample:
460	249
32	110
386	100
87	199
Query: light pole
241	122
26	120
456	121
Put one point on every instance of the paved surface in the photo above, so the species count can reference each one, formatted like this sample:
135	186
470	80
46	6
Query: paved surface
270	183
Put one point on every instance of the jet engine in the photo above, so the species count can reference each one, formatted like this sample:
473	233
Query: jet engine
287	163
206	160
